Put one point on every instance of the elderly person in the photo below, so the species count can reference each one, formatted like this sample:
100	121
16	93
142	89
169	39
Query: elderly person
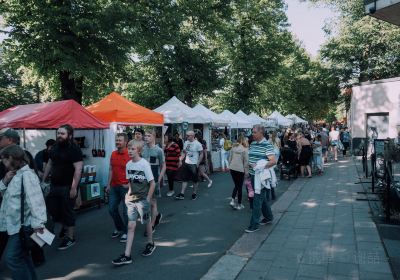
260	150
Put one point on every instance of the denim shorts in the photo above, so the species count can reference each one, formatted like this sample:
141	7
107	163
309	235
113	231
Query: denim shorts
139	210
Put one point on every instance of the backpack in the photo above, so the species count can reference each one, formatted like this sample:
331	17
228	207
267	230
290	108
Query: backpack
227	145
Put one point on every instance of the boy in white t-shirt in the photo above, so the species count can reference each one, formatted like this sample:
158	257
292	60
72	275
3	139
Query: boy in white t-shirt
137	200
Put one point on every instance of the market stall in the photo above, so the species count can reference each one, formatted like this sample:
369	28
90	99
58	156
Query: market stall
121	113
279	119
37	123
296	119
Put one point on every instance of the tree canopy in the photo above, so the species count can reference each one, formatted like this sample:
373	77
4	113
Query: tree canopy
231	54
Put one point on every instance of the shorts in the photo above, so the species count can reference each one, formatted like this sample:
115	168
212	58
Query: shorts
139	209
190	173
324	149
61	206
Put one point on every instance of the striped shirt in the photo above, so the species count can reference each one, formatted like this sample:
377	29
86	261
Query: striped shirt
172	154
258	151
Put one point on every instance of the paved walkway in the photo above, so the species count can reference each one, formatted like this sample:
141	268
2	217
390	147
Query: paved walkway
320	232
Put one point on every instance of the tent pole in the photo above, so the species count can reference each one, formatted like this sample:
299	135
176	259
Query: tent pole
24	138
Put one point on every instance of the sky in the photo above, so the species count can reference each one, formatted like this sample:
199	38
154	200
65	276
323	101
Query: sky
307	22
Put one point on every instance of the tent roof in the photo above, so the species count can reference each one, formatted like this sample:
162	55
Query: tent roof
296	119
214	117
49	115
175	111
235	121
281	120
115	108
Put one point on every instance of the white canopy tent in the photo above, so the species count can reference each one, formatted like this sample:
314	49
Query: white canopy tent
264	122
235	121
251	120
214	118
175	111
296	119
280	119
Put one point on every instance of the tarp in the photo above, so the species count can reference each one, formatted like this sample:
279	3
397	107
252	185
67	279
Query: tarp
115	108
296	119
214	118
280	119
236	122
50	115
175	111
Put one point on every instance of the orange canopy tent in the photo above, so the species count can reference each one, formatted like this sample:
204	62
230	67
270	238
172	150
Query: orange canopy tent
115	108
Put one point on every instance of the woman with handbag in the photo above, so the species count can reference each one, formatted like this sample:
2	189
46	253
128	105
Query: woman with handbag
22	212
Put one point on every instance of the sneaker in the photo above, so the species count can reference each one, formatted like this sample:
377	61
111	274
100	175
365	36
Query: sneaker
123	238
66	243
180	196
115	234
191	186
170	193
150	247
250	229
232	203
265	222
63	233
122	260
194	196
239	207
210	184
145	231
158	219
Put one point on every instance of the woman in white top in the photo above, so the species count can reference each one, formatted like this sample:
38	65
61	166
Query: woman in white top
333	141
224	154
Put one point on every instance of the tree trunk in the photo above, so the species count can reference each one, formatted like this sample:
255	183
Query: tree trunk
71	88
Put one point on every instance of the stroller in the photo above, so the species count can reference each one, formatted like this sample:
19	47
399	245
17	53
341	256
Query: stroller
288	165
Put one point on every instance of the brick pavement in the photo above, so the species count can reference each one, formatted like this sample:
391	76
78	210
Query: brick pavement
320	232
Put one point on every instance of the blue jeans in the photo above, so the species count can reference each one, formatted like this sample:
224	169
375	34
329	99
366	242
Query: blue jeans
19	261
115	196
260	205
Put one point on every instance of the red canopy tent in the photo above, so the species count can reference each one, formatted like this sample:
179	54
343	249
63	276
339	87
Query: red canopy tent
50	115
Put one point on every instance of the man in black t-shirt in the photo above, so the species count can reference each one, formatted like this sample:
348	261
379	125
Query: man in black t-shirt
65	163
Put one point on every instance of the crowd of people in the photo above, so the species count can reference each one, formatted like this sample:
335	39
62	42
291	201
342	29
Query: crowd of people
136	174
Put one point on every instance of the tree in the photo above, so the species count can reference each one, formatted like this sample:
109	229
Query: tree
255	42
69	40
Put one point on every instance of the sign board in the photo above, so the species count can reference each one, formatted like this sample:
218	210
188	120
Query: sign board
185	126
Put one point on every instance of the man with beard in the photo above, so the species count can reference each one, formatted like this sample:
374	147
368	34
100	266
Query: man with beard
65	163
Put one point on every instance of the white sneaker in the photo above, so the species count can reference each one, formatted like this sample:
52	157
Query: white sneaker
191	186
170	193
123	238
239	207
210	184
232	203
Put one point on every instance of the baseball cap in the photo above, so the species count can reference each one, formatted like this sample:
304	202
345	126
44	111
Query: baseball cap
10	133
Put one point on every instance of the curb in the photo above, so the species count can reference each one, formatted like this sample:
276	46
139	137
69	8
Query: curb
231	264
